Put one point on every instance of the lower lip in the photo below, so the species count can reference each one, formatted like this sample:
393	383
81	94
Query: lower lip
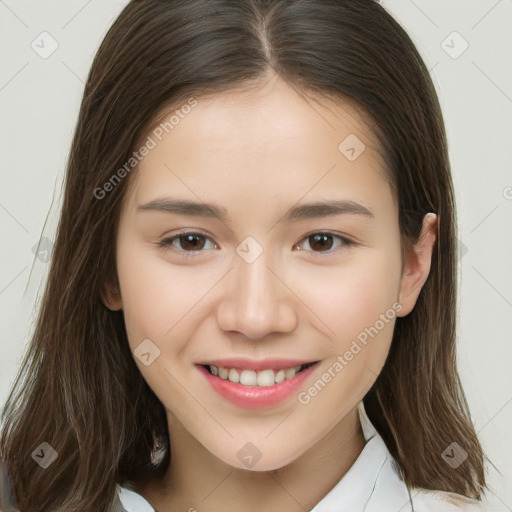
255	397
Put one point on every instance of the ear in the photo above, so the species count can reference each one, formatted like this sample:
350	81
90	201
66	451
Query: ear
111	297
416	266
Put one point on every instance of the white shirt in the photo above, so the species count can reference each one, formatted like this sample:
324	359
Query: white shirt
371	485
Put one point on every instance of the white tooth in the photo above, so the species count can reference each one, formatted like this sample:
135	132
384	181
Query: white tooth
266	378
289	373
279	376
214	370
233	375
223	373
297	368
248	378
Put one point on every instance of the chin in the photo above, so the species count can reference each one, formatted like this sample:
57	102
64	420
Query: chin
250	458
260	466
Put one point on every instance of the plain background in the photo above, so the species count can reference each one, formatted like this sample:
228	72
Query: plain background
39	101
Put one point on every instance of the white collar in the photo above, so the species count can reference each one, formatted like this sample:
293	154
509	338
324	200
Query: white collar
372	482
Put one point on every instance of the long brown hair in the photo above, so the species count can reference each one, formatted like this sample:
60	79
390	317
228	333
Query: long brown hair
79	388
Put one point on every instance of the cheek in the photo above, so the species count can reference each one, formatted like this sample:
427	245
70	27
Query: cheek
153	299
352	296
158	302
359	304
162	301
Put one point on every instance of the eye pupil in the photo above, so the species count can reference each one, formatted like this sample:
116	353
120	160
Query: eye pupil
192	239
321	239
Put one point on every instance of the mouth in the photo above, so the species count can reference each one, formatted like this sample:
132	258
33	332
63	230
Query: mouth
254	385
259	378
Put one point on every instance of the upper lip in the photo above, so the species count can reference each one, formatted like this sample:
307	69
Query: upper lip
262	364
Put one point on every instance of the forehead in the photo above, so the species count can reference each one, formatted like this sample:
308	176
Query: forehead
267	141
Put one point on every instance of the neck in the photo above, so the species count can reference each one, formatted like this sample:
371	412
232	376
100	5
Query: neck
196	479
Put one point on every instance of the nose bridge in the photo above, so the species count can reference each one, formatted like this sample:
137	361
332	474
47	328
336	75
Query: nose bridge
256	302
255	287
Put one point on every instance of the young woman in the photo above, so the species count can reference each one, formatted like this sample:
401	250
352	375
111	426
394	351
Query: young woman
251	303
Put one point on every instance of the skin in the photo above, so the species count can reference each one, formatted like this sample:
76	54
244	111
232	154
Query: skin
258	152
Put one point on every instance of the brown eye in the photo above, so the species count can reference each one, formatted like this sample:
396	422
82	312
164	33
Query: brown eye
186	242
323	242
320	241
191	242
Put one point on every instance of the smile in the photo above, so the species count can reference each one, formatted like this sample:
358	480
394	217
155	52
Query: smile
263	378
256	385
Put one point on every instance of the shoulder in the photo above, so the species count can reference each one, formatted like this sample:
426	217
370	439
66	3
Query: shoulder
440	501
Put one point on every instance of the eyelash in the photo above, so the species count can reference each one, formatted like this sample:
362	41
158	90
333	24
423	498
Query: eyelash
166	243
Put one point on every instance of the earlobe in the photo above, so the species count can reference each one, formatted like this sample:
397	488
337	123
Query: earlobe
111	297
417	265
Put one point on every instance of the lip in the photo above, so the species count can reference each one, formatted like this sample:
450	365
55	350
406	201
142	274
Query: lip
257	397
241	363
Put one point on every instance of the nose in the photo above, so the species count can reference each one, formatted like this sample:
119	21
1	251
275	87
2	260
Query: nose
257	300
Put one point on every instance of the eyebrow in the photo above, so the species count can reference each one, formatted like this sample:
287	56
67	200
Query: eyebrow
301	212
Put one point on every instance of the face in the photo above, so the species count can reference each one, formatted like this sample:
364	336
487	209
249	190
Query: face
261	320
